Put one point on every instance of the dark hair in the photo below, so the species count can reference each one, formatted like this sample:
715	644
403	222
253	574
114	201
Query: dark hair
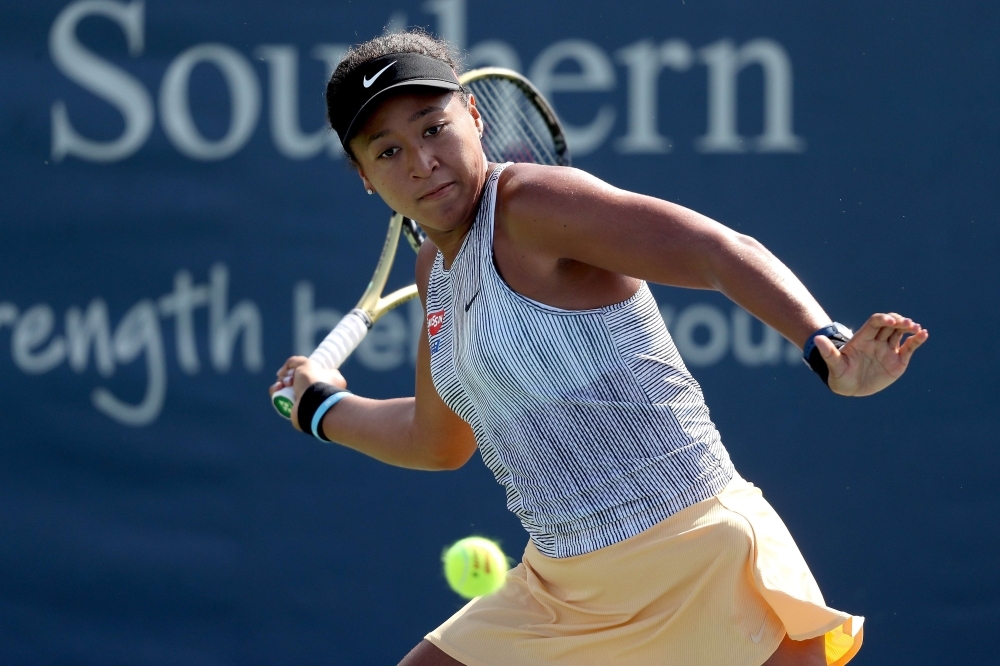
414	40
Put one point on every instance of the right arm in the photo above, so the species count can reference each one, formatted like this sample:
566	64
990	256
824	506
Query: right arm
419	432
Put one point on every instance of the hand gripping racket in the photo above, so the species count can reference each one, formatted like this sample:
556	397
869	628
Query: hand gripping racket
519	126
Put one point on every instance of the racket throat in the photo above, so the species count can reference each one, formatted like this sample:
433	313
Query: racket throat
364	316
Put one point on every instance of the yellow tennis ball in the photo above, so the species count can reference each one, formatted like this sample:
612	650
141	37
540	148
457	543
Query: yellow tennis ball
475	567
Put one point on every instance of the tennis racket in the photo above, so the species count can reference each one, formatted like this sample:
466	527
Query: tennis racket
519	126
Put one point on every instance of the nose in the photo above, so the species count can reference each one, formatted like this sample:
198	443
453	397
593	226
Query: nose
422	162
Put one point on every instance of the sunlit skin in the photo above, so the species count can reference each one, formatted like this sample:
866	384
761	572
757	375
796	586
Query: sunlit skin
567	239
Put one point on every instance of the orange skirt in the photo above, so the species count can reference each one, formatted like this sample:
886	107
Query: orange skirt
719	583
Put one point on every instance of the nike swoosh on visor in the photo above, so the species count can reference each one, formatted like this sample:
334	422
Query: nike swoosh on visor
368	82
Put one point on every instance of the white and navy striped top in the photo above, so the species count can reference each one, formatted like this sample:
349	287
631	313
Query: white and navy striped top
588	418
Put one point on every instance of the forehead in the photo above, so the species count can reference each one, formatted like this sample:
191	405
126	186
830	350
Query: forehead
404	107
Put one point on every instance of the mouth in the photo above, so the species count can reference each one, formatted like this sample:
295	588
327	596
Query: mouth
437	192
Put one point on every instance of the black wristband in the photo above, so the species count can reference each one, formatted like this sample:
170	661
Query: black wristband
836	333
311	400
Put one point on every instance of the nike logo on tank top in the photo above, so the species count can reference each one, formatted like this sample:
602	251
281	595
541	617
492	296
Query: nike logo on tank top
588	418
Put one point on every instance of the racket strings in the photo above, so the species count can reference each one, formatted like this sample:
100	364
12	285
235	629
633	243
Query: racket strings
522	128
515	128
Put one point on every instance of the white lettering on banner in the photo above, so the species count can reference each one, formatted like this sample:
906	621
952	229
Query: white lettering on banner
451	20
225	325
746	351
709	318
596	74
292	142
32	331
138	334
769	351
644	61
724	62
8	314
396	22
110	83
493	53
90	330
244	102
591	72
181	305
36	349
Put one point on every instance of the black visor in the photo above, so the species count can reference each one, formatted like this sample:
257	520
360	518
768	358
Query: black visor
373	78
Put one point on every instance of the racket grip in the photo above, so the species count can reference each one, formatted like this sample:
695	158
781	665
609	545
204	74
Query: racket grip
331	353
342	340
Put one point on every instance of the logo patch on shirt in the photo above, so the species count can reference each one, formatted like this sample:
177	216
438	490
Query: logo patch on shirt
434	322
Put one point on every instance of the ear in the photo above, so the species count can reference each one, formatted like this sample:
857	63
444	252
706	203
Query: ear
364	179
474	112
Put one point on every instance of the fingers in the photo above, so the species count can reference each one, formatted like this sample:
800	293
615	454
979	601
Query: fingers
886	330
286	373
290	364
893	335
911	345
882	326
874	324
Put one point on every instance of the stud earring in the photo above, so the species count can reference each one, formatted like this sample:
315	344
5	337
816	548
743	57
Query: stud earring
370	191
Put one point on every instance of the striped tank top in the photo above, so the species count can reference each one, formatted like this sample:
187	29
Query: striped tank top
588	418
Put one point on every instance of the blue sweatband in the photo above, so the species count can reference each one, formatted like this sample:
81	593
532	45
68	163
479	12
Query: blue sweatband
836	333
317	419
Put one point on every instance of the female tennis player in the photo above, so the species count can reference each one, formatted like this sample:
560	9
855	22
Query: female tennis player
545	350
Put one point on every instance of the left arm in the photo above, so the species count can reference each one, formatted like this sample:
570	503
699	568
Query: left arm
568	214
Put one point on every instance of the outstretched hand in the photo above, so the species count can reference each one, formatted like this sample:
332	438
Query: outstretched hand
875	357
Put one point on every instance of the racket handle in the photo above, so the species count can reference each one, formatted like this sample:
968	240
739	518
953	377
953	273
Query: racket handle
331	353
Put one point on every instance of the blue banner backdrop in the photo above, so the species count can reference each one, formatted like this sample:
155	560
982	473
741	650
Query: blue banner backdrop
176	222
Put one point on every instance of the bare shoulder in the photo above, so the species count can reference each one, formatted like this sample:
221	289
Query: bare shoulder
425	262
533	196
534	179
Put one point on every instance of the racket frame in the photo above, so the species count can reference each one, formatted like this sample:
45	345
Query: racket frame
548	113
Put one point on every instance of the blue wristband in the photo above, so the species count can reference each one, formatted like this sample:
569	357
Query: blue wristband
838	334
317	420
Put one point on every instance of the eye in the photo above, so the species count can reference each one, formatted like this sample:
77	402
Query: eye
388	152
436	129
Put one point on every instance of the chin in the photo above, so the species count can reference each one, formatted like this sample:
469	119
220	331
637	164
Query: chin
444	215
442	221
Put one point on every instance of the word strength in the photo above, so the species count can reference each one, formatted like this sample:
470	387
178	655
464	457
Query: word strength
137	339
